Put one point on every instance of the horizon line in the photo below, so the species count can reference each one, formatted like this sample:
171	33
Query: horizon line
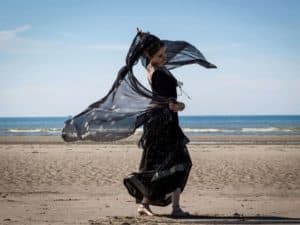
32	116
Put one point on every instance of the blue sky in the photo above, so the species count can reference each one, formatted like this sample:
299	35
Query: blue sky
57	57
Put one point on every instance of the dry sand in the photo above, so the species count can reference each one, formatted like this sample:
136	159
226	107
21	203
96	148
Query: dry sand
44	182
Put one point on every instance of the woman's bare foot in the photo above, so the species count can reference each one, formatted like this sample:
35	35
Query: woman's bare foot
144	209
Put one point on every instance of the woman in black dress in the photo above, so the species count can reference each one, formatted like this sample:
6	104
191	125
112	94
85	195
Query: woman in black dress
165	163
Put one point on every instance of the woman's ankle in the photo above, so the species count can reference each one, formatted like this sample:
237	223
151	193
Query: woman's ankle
145	205
175	207
145	201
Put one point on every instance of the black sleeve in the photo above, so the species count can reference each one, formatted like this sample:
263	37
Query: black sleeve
162	84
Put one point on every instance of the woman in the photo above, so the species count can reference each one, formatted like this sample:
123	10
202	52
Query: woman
165	163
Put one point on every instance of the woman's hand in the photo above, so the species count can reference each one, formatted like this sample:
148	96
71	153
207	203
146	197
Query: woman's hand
175	107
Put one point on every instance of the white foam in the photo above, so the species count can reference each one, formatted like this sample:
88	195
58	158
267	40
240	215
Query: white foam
201	130
37	130
53	130
263	129
24	130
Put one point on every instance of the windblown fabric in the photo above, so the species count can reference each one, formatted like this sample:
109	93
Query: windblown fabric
165	163
125	107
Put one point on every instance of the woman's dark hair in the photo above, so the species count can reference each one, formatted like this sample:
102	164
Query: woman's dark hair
144	45
152	48
153	43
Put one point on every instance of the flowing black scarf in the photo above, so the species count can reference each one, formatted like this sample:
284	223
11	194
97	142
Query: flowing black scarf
124	108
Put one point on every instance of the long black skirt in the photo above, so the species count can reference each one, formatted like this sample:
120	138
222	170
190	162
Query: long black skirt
165	164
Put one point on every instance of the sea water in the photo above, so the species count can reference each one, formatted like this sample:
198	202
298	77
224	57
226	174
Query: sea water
191	125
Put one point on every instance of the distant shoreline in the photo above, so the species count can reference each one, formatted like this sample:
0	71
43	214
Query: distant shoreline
180	115
194	140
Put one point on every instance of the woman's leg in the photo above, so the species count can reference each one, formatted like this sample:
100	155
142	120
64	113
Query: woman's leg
176	210
176	198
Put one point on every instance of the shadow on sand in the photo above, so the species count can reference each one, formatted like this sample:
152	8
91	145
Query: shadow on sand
163	219
235	219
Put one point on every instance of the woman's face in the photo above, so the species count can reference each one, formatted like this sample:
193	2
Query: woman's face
159	58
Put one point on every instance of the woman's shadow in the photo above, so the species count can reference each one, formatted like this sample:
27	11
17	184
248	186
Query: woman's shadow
194	219
235	219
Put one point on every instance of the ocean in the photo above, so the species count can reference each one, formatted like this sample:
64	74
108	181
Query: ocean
192	125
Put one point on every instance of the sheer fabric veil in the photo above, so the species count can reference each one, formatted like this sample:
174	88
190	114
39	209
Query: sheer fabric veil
124	108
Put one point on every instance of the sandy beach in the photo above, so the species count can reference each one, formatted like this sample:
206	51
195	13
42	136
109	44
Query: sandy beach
236	180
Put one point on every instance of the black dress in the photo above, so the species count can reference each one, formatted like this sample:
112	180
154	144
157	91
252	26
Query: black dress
165	163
